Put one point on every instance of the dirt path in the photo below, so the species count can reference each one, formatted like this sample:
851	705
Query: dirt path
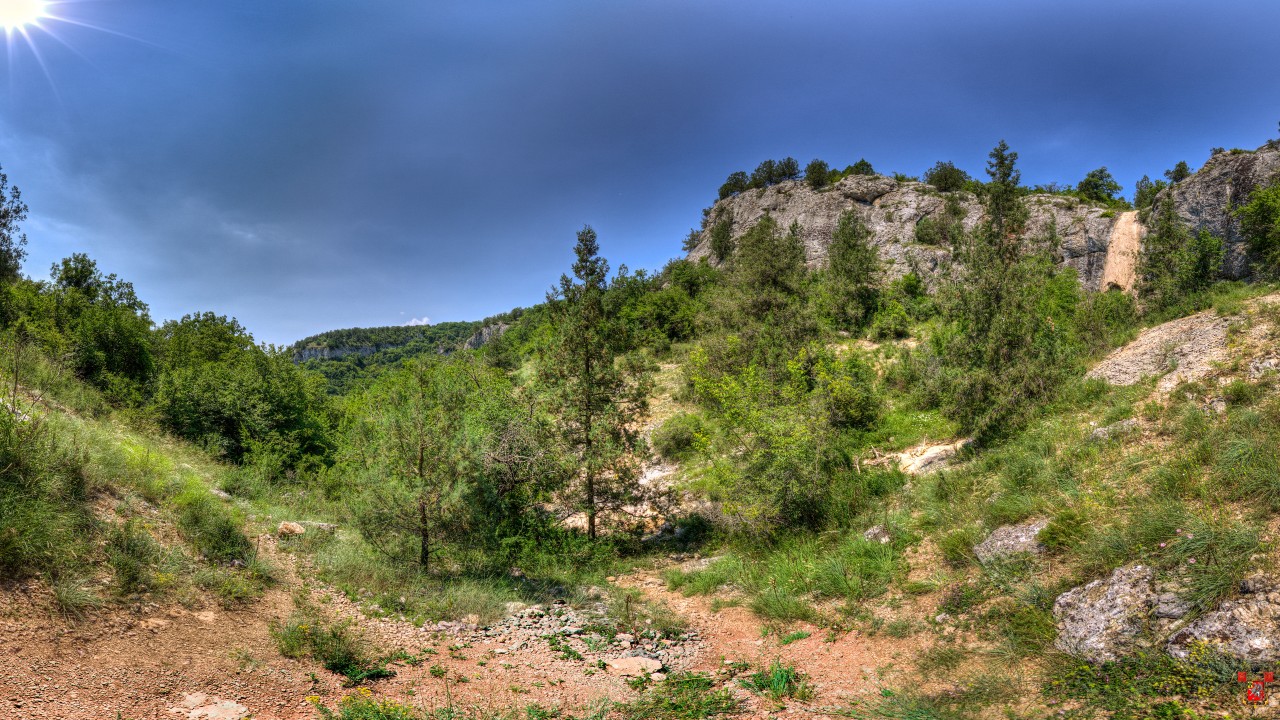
1122	253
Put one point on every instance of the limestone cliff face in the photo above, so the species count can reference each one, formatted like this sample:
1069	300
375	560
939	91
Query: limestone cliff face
485	335
891	210
1206	199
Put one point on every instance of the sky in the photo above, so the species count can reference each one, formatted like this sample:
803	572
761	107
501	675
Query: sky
307	165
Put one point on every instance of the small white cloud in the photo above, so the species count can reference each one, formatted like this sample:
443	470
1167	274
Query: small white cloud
424	320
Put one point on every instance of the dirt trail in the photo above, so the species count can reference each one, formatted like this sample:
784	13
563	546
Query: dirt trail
1122	252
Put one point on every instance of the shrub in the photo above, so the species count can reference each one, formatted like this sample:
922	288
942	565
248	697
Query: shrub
682	696
890	322
210	527
946	177
817	174
1098	186
337	647
1174	266
131	552
680	436
779	682
1260	223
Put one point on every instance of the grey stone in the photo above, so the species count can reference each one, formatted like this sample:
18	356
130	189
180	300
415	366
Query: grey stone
878	534
1114	430
1171	607
1104	619
1247	628
1010	540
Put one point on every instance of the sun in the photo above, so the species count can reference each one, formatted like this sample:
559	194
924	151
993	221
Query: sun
18	14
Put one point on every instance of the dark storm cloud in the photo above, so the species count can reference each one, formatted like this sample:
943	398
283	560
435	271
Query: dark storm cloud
310	165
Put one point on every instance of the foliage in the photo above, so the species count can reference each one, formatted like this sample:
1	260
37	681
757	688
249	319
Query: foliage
946	177
1180	172
1145	191
336	646
680	436
1005	344
350	359
862	167
778	682
12	240
1175	267
852	275
1260	223
817	174
722	237
681	696
596	394
943	230
736	183
1098	186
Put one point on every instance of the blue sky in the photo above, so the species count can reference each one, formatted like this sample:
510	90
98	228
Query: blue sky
307	165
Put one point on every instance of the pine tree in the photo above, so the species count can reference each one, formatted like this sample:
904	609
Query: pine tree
597	395
853	272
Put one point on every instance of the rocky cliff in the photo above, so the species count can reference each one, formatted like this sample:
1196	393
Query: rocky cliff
892	209
1206	199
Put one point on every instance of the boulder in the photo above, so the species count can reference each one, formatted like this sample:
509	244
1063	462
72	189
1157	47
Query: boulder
927	458
1103	619
1247	627
1114	430
1010	540
878	534
633	666
288	529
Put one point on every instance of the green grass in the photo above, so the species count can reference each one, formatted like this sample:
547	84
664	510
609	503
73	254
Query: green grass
336	646
782	581
682	696
779	682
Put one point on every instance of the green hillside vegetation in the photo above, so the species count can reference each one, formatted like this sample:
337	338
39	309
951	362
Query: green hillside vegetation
462	480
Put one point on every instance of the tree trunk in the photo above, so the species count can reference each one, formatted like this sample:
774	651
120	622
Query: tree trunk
424	536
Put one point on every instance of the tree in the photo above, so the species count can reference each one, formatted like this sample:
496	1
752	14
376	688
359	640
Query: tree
1004	344
817	174
13	241
598	396
1175	266
946	177
862	167
1006	215
765	174
1145	191
736	183
853	272
1099	186
788	169
1260	222
1180	172
722	237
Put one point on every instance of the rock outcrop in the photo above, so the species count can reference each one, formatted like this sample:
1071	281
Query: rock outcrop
892	209
1087	233
485	335
1206	199
1011	540
1104	619
1247	627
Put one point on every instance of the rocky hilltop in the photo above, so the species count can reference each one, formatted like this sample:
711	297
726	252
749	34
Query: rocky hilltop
1206	199
891	209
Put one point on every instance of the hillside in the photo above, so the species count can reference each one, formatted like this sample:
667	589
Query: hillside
795	478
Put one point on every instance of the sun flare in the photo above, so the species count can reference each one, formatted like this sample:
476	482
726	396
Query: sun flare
18	14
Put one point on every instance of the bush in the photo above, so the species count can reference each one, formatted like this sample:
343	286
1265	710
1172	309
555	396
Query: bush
680	436
779	682
946	177
1260	223
890	322
682	696
210	527
337	647
1175	267
132	553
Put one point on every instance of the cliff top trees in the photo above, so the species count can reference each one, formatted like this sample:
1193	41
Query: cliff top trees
1099	186
597	395
946	177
